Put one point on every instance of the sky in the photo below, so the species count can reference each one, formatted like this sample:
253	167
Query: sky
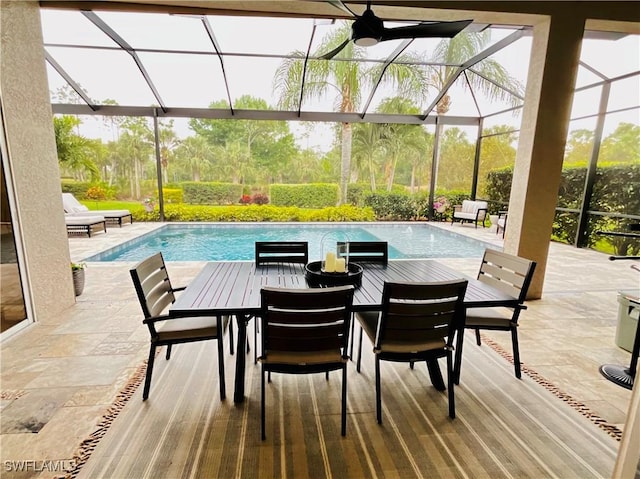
194	80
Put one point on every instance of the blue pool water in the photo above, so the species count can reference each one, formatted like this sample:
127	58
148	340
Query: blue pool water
218	242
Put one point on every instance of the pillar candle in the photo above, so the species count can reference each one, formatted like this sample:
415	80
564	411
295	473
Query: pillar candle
330	262
340	265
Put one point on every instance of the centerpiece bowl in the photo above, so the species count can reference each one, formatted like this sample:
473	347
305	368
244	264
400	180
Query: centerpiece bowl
317	278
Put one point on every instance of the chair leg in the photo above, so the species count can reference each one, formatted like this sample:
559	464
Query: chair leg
516	351
262	397
231	347
223	389
435	374
452	400
168	355
378	393
351	338
255	341
344	399
478	341
458	361
327	375
359	352
147	381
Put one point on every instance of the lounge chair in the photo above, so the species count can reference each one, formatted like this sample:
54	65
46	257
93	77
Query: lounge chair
80	225
471	211
73	207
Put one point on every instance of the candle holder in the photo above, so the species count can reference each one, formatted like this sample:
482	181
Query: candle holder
335	253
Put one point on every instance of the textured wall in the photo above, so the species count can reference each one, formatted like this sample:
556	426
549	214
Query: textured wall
32	156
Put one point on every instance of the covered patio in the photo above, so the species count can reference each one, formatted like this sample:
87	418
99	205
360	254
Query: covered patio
70	372
60	378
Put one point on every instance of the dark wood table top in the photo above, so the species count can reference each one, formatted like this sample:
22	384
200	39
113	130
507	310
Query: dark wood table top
233	288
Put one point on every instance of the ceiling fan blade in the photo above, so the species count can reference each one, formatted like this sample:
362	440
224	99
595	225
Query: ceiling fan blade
335	51
426	30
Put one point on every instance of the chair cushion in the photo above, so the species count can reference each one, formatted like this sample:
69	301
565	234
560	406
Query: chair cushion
303	357
406	347
185	328
488	317
71	220
466	216
369	322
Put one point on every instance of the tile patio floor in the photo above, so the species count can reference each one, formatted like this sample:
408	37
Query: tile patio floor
58	376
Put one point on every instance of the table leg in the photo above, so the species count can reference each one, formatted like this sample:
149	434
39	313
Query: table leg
241	360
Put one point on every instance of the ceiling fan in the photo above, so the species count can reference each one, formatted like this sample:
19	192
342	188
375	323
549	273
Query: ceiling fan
368	30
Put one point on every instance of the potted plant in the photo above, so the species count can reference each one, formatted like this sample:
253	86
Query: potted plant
77	271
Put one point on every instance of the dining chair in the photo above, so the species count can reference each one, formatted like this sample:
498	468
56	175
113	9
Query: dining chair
511	275
363	252
305	331
155	294
367	251
274	252
418	322
281	252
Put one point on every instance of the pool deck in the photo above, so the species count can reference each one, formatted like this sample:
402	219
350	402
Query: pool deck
59	375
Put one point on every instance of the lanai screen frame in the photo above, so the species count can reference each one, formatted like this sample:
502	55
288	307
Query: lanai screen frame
90	108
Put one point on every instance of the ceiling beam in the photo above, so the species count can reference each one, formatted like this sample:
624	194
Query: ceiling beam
277	115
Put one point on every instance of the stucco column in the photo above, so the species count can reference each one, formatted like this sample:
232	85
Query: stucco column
33	162
552	74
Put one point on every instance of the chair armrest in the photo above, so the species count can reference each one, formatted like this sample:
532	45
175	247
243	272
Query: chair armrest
154	319
502	213
478	212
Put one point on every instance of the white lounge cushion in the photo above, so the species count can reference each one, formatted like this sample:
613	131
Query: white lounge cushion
73	207
469	210
82	220
110	213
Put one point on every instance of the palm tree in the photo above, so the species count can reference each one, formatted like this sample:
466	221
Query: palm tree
455	52
398	139
195	153
344	79
366	146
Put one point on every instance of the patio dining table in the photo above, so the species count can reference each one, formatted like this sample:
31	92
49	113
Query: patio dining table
233	288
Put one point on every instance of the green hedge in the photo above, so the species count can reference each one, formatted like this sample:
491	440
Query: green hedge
253	213
201	193
313	195
391	206
172	195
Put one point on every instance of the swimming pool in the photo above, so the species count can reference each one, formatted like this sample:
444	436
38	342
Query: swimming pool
224	241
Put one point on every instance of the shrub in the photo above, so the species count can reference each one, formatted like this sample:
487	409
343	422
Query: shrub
76	188
245	200
259	199
171	195
254	213
199	193
392	206
313	195
96	193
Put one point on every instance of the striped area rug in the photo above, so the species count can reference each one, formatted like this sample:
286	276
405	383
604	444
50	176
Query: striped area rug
504	427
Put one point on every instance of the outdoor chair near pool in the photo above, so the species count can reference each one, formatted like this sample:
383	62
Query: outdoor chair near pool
418	322
73	207
363	252
470	211
304	331
274	252
155	294
501	224
80	225
509	274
